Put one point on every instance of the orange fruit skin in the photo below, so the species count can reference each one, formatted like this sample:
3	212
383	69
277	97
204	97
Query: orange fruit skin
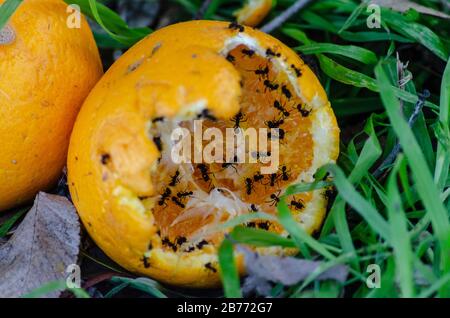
45	75
252	14
173	67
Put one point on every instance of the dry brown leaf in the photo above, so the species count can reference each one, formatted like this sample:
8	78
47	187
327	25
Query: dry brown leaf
288	271
44	244
405	5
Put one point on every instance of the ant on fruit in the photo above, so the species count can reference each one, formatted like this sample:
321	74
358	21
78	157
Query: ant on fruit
275	123
284	174
248	52
230	58
105	159
262	71
303	112
158	142
206	114
178	202
280	107
298	205
145	261
249	186
264	225
273	179
157	119
270	52
258	177
175	179
297	71
275	198
165	196
269	85
204	171
210	267
238	119
286	92
236	26
184	194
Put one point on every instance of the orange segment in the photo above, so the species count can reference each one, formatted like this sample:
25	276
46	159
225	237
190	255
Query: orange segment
160	218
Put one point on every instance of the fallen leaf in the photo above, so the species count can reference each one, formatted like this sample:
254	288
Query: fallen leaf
288	271
405	5
44	244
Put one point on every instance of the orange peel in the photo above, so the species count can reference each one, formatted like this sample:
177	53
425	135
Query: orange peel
160	219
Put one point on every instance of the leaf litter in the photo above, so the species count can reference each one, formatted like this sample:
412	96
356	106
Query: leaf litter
43	246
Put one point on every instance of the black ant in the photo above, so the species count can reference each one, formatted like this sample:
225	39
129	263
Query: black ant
237	120
205	173
206	114
284	174
262	71
175	179
157	119
286	92
158	143
165	196
249	185
230	58
275	198
146	262
304	112
178	202
258	177
268	84
275	123
253	208
236	26
273	179
210	267
270	52
297	71
264	225
278	106
248	52
180	240
166	241
105	159
298	205
201	244
184	194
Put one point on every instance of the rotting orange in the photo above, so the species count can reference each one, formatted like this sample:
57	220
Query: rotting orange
46	71
254	12
161	219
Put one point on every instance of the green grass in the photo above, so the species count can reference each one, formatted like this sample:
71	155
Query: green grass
399	221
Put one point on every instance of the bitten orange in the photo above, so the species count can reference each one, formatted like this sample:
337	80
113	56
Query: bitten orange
46	71
162	219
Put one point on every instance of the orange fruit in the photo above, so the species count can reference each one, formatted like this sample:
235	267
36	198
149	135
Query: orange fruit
46	71
253	12
159	218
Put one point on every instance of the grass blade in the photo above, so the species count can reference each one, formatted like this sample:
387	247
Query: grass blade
421	174
351	51
7	9
400	238
228	270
